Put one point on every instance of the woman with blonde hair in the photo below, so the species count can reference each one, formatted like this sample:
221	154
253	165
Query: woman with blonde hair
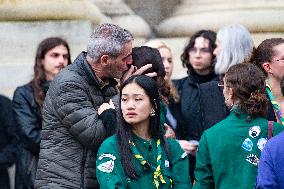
167	58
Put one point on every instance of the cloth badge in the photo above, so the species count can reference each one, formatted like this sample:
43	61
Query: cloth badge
261	143
247	144
253	159
106	167
254	131
107	156
167	163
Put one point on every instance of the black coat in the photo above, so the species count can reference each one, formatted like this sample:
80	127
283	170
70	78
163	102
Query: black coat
8	140
214	108
188	110
72	131
28	118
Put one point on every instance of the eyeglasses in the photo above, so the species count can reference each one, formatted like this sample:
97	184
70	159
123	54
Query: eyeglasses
201	51
221	84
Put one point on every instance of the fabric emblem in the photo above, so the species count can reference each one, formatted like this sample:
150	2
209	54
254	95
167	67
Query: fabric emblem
167	163
253	159
106	167
247	144
107	156
254	131
261	143
183	155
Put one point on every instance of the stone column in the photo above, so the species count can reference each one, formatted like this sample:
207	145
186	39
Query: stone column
24	23
121	14
262	17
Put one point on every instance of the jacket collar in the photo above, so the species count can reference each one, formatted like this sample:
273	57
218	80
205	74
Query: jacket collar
89	73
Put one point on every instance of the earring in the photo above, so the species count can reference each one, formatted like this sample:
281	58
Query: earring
152	113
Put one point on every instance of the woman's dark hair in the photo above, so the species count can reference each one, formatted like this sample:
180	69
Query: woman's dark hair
124	132
248	85
206	34
39	73
146	55
264	52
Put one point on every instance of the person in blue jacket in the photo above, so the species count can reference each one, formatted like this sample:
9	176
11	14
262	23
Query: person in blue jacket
271	165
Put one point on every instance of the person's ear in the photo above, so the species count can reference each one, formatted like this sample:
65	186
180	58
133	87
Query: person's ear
231	93
104	60
267	67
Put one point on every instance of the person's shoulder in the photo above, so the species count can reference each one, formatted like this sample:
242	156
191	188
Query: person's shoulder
110	142
24	90
178	82
209	85
175	148
275	142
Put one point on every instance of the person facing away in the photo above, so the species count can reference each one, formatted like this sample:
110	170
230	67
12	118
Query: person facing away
167	58
229	152
72	131
270	169
268	56
234	45
138	156
8	141
144	55
52	55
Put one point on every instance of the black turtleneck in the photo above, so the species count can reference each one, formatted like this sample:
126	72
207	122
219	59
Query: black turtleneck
202	78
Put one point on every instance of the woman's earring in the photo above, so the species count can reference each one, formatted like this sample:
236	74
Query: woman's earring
152	113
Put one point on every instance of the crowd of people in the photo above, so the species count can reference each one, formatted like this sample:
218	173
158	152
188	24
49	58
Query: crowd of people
114	117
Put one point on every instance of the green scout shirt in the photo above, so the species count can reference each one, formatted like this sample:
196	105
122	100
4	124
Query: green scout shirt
110	173
228	152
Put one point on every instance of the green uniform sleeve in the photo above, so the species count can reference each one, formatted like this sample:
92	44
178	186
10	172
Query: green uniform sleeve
180	167
203	170
109	170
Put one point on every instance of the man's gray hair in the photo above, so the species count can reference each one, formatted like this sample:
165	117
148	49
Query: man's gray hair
107	39
236	47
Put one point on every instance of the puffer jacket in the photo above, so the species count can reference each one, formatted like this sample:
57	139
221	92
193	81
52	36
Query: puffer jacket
72	131
28	119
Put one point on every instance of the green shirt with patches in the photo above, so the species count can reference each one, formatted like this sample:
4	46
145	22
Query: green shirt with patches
110	173
228	152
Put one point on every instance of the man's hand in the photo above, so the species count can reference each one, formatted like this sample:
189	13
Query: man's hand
106	106
188	147
134	71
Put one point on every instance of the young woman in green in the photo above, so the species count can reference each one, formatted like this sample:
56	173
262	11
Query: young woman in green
229	152
138	156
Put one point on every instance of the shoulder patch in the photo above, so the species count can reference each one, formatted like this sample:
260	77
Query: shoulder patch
254	131
107	156
106	167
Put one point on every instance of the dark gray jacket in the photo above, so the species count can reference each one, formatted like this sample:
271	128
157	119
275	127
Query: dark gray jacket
71	130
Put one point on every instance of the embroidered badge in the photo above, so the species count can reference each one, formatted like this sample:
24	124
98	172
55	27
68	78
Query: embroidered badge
183	155
167	163
261	143
106	167
254	131
107	156
253	159
247	144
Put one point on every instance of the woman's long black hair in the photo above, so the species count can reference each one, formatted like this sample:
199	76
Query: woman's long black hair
124	130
